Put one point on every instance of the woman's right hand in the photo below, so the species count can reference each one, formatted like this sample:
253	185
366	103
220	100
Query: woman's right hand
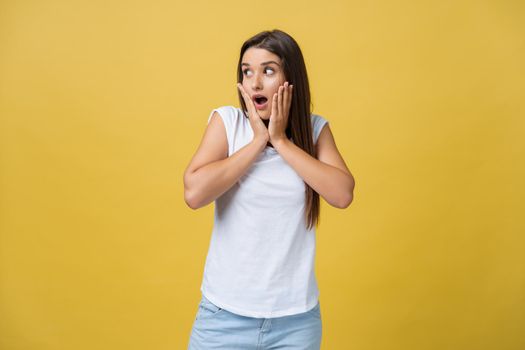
260	131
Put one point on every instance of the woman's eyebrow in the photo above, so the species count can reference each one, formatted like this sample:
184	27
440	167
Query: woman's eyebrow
262	64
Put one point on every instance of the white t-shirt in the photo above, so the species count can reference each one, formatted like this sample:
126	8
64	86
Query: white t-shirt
260	261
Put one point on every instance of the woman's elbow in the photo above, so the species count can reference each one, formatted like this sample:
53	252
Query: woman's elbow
346	197
344	201
191	200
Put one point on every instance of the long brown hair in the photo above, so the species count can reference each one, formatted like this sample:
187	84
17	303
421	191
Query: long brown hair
299	120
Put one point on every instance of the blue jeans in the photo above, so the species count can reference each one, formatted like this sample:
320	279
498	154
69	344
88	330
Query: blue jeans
216	328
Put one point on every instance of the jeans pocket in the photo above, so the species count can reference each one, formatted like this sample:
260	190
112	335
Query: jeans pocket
207	309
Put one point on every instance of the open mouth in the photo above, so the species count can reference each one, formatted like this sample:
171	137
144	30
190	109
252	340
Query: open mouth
260	101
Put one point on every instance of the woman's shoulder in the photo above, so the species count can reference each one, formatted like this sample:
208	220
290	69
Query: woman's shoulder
227	112
318	122
316	118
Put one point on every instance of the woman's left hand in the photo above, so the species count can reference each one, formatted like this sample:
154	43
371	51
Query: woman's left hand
282	100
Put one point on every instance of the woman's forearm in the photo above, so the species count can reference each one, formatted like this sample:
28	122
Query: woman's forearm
203	185
333	184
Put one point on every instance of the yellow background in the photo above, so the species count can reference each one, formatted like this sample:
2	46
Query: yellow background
103	103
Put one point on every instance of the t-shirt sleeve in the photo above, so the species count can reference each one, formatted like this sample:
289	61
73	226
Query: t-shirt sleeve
227	114
318	123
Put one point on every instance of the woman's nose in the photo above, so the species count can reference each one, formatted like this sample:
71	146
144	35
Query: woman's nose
257	82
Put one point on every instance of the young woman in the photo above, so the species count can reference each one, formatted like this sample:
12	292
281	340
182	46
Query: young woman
265	165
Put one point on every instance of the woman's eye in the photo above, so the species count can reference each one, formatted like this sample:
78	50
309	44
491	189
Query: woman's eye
266	68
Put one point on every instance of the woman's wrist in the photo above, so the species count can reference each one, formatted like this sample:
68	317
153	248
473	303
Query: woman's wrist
260	141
